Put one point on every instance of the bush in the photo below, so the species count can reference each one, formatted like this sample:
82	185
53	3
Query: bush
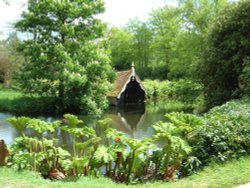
226	133
156	88
182	90
220	135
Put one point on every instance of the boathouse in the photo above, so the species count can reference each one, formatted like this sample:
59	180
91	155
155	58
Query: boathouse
127	88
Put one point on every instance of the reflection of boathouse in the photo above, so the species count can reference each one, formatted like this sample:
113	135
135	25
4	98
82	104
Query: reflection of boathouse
127	88
128	119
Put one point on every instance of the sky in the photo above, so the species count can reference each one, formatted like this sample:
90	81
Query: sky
118	12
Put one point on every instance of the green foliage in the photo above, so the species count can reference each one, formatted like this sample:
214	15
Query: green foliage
141	43
178	147
174	149
64	59
19	123
42	126
220	135
186	123
105	123
245	77
103	155
72	120
186	91
120	45
169	44
166	25
227	50
215	175
169	106
156	88
225	134
124	159
37	154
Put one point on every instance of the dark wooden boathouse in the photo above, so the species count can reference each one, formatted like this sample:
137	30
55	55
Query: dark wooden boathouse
127	88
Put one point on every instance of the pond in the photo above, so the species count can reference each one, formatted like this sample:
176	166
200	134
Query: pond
134	120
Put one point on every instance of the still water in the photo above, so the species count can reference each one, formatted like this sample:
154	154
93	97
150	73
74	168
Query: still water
134	120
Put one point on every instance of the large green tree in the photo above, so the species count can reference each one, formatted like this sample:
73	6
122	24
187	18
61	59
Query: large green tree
131	43
225	66
141	43
121	47
64	59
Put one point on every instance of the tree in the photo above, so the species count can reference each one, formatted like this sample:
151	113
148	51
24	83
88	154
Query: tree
65	60
142	39
131	44
166	24
120	45
179	35
225	65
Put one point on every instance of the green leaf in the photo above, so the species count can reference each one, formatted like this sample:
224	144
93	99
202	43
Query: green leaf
19	123
104	154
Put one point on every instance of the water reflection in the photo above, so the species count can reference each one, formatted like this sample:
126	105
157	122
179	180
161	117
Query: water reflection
7	132
134	120
128	118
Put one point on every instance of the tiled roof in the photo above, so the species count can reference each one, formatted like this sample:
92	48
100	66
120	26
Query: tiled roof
121	80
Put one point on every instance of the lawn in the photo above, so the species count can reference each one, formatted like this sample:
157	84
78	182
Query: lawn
228	175
9	98
9	94
15	102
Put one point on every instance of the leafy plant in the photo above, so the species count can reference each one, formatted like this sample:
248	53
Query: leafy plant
186	92
226	133
19	123
172	152
39	154
186	123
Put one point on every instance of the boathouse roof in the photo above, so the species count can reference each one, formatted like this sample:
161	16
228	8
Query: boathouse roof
123	78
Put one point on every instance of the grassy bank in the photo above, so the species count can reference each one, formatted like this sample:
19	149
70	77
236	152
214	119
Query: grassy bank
13	101
227	175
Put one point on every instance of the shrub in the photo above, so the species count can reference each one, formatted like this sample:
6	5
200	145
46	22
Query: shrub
226	133
183	90
156	88
221	134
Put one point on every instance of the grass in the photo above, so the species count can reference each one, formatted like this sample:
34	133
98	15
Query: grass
228	175
9	94
13	101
